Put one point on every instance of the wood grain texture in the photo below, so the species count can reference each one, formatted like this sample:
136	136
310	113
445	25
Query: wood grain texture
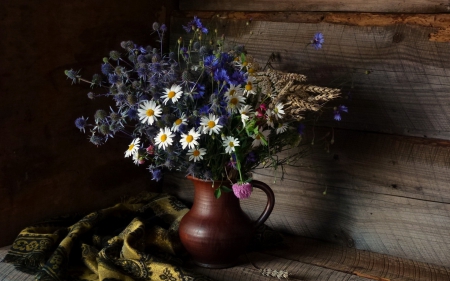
395	6
441	22
400	78
386	194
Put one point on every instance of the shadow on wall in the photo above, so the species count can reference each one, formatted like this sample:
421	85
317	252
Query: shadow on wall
47	167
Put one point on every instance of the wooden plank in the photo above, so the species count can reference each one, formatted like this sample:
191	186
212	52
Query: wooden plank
394	6
400	78
439	21
245	271
361	263
393	225
387	194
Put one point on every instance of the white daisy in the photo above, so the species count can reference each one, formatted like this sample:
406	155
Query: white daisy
233	90
210	124
133	147
230	143
137	159
180	121
173	94
250	87
190	139
257	138
269	118
281	128
164	138
196	154
245	112
235	103
278	110
148	112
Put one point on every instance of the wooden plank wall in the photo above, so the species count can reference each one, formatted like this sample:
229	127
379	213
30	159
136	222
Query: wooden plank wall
387	176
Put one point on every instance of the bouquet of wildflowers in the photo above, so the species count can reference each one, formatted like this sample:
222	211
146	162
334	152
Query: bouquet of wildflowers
210	112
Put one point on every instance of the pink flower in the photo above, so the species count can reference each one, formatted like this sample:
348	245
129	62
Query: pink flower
151	149
242	190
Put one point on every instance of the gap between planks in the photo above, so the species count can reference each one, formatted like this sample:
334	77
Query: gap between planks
439	21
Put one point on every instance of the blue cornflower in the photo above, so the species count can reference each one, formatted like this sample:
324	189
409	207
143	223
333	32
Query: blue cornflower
80	123
317	40
204	109
221	75
157	174
238	78
184	52
338	110
199	91
225	58
194	24
163	27
107	69
210	63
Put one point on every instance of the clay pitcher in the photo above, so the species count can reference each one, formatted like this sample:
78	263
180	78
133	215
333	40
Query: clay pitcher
215	232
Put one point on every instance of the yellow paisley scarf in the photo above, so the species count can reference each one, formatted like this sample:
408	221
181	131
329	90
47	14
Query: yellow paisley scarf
133	240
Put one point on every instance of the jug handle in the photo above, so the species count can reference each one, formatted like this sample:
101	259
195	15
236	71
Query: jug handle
270	201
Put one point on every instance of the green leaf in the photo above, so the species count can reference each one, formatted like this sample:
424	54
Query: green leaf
242	57
217	192
226	188
248	180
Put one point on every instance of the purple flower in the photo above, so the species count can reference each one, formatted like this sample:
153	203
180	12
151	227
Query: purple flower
317	40
338	110
238	77
242	190
113	78
221	75
157	174
211	63
107	68
194	24
80	123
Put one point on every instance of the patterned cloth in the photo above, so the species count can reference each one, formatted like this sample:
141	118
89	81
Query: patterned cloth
133	240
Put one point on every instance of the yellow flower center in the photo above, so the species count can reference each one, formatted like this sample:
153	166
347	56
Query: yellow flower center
131	147
232	92
171	94
150	112
211	124
234	101
258	137
231	144
163	137
248	87
178	122
189	138
245	63
251	70
196	153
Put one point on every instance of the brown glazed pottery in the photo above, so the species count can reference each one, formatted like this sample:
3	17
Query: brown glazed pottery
215	232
